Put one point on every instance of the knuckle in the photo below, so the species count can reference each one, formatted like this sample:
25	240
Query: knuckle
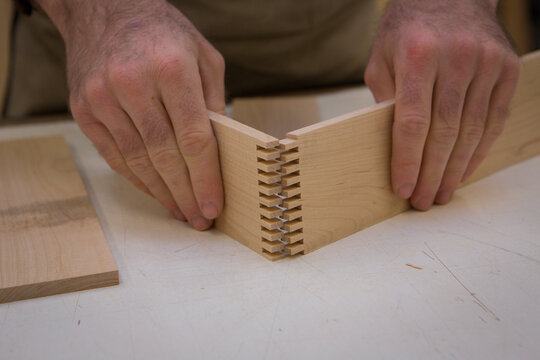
139	164
124	76
462	53
96	90
472	133
491	53
166	160
464	45
412	126
420	47
171	66
193	142
445	135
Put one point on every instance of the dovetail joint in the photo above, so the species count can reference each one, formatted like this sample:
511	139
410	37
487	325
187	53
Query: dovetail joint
280	201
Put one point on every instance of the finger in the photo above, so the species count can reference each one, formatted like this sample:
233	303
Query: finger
182	94
379	80
415	70
212	71
144	107
454	77
498	112
105	145
108	111
473	121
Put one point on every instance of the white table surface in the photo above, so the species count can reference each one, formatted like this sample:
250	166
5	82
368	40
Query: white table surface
201	295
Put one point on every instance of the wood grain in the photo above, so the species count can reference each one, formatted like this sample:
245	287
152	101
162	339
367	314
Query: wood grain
345	162
50	239
243	151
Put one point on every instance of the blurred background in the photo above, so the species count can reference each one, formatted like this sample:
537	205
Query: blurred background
521	18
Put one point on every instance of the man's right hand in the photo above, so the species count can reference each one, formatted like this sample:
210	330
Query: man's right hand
141	79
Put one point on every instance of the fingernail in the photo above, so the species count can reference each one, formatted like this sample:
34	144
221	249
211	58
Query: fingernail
405	191
178	214
423	204
199	223
444	196
209	210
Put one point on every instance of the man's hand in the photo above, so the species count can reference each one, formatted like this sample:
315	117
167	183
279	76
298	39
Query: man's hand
453	72
141	79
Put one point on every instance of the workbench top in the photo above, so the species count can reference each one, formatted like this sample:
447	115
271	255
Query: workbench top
460	281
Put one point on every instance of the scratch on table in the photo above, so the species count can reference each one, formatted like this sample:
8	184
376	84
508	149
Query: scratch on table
185	248
415	267
429	256
76	307
473	295
492	245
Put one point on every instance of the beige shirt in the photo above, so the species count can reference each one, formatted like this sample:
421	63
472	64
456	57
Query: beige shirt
268	45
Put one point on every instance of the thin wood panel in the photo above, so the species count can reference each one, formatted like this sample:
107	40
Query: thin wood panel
50	238
345	162
240	149
344	175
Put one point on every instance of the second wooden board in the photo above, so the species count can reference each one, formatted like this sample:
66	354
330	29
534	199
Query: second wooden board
50	239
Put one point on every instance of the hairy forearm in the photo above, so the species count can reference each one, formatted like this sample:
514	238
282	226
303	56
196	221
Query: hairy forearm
72	16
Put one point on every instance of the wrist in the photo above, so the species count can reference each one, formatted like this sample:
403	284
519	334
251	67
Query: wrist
73	16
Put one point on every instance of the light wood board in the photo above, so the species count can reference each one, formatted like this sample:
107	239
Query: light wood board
241	149
50	239
345	162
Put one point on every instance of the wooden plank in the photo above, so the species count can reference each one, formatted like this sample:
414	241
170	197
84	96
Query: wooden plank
50	238
240	149
345	162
